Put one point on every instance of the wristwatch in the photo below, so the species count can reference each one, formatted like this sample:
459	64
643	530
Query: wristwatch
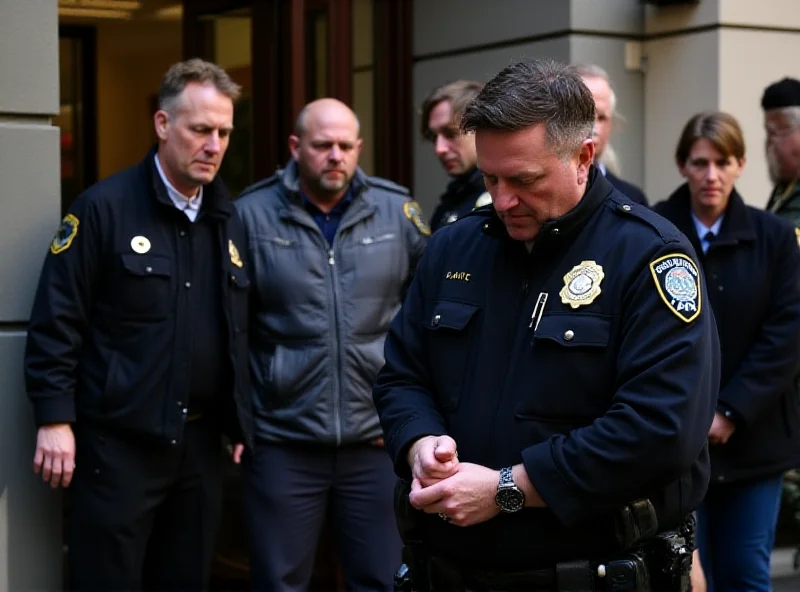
509	498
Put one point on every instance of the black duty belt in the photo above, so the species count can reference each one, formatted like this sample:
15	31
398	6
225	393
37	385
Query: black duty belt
660	564
445	575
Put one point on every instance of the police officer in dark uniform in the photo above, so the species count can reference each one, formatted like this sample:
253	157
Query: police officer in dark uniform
552	376
455	150
136	356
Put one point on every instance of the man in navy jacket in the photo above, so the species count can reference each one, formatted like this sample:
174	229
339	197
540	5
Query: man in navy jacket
554	363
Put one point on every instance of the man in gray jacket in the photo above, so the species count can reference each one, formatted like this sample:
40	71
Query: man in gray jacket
331	252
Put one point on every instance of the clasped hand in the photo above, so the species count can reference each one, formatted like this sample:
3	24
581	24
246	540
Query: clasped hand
462	492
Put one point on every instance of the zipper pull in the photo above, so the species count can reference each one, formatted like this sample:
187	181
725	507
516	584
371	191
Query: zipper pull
331	258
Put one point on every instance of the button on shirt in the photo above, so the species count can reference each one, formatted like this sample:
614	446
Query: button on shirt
190	207
329	222
707	233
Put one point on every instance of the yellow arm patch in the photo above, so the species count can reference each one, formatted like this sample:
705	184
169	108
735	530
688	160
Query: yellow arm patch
414	213
678	283
65	234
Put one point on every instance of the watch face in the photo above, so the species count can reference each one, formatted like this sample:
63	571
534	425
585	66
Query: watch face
510	499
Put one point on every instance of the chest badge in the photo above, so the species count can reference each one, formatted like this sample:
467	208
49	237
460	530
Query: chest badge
140	244
582	284
236	259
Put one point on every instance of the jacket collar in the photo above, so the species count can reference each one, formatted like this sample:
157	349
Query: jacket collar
216	199
463	187
361	207
736	226
290	177
557	232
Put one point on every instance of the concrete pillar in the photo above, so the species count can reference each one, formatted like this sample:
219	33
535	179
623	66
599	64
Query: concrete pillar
30	513
718	54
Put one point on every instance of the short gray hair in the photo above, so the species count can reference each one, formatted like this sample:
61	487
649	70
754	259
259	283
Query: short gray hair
198	71
525	94
791	114
595	71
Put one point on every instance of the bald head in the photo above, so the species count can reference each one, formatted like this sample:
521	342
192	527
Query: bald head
322	111
326	146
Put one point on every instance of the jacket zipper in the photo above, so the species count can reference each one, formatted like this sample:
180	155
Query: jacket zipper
337	355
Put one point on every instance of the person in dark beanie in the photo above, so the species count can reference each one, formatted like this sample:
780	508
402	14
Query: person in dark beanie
781	105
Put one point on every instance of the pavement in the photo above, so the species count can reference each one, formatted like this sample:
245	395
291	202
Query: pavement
784	576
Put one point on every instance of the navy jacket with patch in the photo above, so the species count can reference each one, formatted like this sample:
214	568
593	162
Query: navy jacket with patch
604	404
459	199
753	273
108	339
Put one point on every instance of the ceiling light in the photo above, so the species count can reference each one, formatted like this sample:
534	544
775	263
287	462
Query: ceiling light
169	13
103	4
95	13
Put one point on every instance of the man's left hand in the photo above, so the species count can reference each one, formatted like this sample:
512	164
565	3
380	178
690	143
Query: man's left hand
466	498
722	428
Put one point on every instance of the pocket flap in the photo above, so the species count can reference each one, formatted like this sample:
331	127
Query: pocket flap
451	315
238	277
146	265
575	330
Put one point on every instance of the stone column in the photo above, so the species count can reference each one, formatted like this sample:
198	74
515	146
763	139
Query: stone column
30	513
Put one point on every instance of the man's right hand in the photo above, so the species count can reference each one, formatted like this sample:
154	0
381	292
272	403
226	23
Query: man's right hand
432	459
55	454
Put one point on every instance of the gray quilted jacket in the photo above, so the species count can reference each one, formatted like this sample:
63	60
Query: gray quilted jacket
319	314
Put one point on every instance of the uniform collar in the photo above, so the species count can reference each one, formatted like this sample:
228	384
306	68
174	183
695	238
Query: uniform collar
290	177
216	200
562	230
181	201
462	187
735	227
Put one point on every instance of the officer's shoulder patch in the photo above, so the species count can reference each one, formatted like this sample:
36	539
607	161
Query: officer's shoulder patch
484	199
678	284
66	233
414	213
387	185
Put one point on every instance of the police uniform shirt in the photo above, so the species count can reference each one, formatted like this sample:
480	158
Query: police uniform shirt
190	207
707	234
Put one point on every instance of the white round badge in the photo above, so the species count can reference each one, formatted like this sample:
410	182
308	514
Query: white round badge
140	244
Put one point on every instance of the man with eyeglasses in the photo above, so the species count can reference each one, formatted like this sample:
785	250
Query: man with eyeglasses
781	104
455	150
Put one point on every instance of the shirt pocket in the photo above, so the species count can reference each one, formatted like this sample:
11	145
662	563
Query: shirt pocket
570	370
145	291
452	327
